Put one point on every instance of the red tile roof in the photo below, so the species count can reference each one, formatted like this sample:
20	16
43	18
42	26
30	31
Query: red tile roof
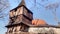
38	22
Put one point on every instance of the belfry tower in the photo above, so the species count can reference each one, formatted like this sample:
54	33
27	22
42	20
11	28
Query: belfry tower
18	17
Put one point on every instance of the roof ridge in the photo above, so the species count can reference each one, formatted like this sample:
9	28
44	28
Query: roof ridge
22	3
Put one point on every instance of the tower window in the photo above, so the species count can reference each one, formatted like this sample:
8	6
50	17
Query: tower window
22	28
10	30
15	30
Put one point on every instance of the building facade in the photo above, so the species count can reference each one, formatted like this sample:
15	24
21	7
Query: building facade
20	22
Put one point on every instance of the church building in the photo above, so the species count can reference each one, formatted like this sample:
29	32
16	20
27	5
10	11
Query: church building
21	22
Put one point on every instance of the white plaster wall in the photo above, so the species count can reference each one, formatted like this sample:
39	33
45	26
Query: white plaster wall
43	29
57	30
38	30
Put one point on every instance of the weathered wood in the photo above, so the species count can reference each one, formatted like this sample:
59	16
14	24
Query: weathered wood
19	11
28	14
12	13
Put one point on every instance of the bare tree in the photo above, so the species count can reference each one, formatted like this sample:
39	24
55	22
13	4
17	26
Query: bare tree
4	4
53	7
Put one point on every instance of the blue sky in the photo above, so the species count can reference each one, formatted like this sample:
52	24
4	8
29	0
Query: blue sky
40	13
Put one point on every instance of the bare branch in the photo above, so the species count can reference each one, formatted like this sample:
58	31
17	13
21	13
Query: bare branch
53	7
4	4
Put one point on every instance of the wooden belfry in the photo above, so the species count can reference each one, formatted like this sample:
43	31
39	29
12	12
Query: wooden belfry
19	16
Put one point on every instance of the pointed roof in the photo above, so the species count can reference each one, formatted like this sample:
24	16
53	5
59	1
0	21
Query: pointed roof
22	3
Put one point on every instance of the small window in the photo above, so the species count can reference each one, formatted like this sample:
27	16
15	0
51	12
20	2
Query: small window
45	33
10	31
21	28
15	30
12	28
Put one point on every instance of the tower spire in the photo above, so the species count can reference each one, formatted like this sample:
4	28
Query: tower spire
22	3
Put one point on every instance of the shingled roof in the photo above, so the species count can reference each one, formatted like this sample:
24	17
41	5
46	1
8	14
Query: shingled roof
22	3
31	25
